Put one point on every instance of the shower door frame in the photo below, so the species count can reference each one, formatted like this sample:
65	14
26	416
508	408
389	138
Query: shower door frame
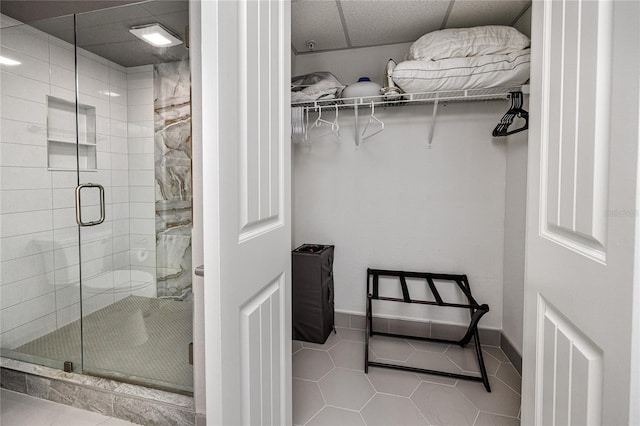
58	138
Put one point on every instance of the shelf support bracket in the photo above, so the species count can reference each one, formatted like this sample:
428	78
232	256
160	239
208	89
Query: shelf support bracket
433	123
357	128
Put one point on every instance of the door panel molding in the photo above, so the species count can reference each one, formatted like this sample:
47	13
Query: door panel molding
261	324
569	371
576	88
261	105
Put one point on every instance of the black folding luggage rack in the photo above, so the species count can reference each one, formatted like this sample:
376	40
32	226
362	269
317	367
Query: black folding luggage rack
476	312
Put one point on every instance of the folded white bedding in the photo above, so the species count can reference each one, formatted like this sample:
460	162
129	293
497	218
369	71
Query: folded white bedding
466	42
463	73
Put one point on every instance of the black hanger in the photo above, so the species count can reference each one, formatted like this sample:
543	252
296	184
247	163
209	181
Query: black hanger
502	129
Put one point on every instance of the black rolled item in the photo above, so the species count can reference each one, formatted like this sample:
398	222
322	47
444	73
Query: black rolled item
312	292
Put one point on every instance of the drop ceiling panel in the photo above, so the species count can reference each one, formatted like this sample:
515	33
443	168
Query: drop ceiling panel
29	11
135	53
471	13
109	33
319	21
176	21
384	22
61	28
114	15
165	6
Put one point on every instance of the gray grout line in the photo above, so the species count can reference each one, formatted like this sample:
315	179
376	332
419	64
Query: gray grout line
305	380
416	388
392	394
440	384
327	373
315	349
345	409
419	410
317	412
367	403
514	369
476	419
332	361
323	398
496	414
505	383
467	398
375	390
485	353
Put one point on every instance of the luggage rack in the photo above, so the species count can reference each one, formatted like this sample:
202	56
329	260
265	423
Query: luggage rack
476	310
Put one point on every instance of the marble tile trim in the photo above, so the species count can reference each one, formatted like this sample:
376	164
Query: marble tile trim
96	399
108	397
511	352
97	383
13	380
488	336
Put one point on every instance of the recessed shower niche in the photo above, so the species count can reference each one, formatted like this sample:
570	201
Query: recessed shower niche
61	135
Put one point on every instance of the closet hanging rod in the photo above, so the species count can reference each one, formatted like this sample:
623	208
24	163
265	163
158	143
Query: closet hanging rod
468	95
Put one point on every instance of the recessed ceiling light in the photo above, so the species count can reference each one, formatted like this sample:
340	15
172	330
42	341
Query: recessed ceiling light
156	35
7	61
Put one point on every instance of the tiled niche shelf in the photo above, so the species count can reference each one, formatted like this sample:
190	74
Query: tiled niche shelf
61	135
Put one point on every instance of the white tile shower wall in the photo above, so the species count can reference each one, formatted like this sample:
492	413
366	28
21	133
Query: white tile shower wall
38	245
396	204
141	180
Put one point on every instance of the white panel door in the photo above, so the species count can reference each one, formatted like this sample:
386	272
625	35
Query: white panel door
245	75
581	214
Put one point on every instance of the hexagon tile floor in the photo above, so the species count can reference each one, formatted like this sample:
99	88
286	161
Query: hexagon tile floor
330	387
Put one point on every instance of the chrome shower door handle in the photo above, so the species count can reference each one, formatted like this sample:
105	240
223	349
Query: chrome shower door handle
79	204
200	271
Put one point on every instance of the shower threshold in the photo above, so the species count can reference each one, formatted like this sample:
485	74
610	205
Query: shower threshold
137	340
134	403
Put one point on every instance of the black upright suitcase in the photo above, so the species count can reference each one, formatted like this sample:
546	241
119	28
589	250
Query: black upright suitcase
312	292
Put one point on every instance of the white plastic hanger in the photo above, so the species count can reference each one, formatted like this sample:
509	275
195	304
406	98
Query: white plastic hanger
297	124
335	127
372	119
306	125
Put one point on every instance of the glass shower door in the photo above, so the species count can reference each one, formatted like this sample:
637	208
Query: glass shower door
136	264
39	251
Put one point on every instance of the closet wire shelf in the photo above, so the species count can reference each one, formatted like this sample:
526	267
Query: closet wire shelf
466	95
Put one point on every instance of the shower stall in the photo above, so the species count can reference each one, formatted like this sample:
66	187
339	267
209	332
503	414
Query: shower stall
95	195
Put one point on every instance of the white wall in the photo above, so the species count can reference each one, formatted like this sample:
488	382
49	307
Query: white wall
38	235
524	23
349	65
396	204
514	239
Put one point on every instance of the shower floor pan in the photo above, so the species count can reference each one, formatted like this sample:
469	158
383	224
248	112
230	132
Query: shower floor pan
137	339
